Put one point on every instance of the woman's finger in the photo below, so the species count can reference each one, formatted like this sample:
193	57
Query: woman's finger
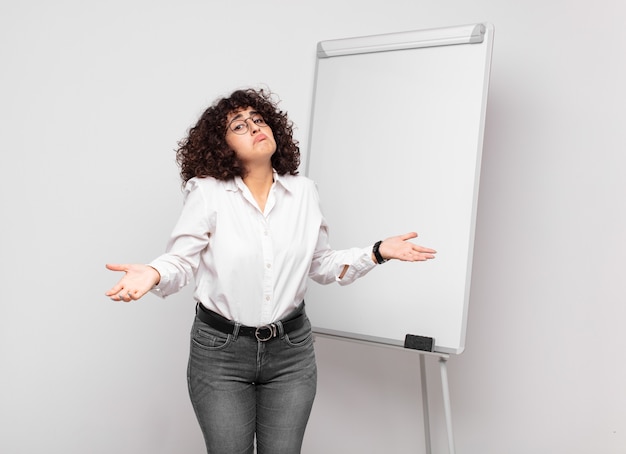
408	236
117	267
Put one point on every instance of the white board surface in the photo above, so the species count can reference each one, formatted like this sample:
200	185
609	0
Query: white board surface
395	146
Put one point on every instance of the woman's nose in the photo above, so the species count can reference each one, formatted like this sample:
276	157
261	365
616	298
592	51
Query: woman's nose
252	126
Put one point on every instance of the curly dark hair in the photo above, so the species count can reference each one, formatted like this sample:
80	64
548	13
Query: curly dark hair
205	153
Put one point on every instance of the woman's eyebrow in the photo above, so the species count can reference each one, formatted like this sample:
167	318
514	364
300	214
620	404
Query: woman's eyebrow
240	115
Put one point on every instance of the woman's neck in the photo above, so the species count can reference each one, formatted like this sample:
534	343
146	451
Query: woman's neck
259	181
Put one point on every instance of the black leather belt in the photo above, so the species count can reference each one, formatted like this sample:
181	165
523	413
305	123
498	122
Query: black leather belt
261	333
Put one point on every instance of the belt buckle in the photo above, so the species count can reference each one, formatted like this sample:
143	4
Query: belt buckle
272	332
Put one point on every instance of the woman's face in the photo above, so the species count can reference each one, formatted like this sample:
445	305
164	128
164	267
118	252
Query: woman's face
250	137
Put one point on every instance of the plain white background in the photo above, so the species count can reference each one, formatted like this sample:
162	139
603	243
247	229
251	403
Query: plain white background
94	97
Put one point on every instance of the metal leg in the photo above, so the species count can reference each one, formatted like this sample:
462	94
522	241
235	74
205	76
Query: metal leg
446	402
425	405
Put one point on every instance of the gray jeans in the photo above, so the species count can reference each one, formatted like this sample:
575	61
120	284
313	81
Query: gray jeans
240	387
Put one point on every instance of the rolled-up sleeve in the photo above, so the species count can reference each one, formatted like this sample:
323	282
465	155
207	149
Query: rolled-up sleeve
328	264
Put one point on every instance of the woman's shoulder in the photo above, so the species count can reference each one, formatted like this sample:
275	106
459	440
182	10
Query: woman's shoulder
206	183
210	189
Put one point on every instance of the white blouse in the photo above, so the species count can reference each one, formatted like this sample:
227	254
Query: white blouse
252	266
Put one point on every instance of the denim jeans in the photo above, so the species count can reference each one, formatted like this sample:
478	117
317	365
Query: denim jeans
241	387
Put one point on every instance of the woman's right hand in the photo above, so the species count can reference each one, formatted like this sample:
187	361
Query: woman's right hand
136	282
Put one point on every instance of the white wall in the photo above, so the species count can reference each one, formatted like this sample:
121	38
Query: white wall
94	97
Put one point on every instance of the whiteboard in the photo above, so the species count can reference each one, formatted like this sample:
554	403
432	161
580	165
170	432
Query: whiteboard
395	146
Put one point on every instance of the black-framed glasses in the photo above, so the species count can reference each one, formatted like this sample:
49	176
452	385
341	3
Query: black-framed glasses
240	125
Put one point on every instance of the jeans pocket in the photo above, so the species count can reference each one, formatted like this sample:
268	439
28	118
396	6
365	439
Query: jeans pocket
203	336
301	336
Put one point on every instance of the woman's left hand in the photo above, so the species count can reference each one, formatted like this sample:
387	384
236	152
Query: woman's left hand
399	248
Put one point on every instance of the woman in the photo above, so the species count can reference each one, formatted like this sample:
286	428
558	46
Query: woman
250	234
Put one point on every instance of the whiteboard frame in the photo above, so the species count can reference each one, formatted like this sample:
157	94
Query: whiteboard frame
462	34
481	33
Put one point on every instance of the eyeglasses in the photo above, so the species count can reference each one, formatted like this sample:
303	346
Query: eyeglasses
240	125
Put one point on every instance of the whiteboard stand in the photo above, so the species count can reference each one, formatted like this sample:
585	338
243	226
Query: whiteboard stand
425	405
443	363
443	369
418	98
445	389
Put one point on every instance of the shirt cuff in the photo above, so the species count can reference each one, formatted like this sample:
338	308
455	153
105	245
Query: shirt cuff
360	266
159	289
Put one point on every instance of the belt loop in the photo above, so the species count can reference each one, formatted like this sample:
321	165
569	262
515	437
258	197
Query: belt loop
280	328
236	330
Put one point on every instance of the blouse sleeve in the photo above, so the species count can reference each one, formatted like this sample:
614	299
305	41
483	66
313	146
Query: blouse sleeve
189	238
327	264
